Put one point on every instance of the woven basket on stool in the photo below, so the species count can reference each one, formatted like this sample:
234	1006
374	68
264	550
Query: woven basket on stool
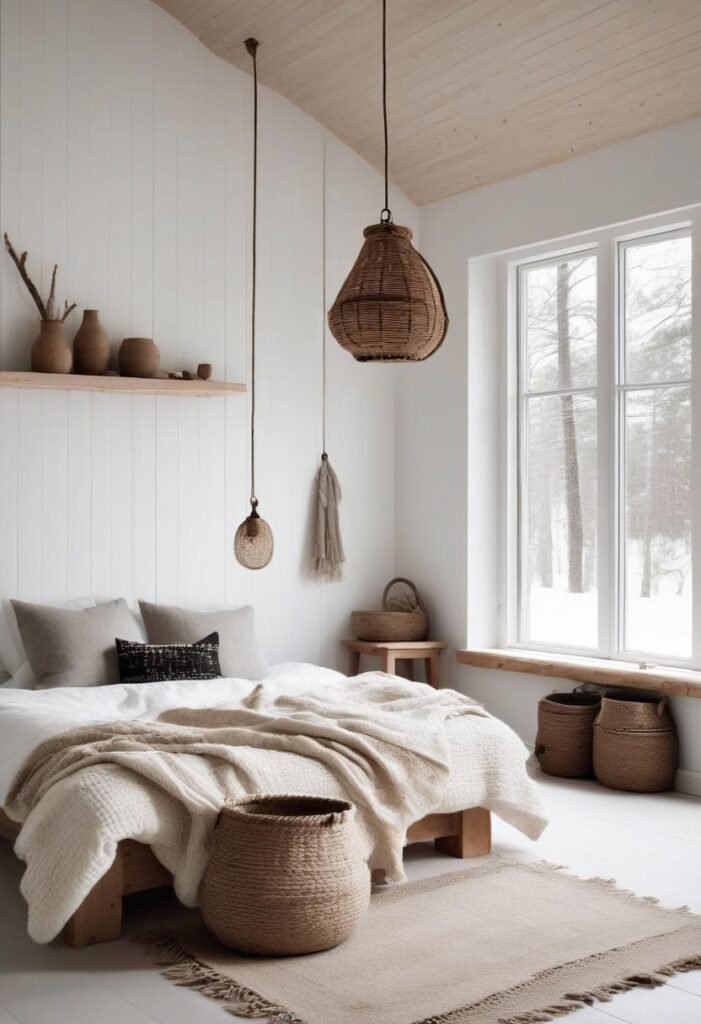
563	745
287	875
635	743
390	625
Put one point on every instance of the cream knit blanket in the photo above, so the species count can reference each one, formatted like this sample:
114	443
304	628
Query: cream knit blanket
381	740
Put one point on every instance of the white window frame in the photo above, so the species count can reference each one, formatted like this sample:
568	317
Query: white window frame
608	245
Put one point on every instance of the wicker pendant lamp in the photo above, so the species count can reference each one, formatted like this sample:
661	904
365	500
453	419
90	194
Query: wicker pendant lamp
391	307
253	542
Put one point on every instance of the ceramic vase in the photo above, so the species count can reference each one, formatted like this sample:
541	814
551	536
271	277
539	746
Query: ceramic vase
91	345
138	357
51	353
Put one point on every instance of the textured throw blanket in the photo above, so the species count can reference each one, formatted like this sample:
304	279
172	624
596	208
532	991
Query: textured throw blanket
381	740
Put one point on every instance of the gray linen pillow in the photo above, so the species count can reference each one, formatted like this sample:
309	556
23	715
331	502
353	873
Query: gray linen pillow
240	655
74	647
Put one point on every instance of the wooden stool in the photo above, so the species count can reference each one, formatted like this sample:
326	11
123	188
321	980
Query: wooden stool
428	651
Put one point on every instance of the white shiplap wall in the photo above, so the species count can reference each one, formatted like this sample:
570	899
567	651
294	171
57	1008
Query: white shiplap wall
125	158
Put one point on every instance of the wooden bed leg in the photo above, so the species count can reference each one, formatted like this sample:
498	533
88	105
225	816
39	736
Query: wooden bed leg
99	917
474	838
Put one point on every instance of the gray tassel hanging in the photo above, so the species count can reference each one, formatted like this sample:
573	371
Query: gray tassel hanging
328	558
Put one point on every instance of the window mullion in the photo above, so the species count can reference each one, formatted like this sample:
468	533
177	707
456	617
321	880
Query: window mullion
696	438
606	462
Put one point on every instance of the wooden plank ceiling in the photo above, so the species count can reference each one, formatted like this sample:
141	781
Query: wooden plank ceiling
479	90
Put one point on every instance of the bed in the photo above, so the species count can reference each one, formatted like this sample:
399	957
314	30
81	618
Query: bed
487	775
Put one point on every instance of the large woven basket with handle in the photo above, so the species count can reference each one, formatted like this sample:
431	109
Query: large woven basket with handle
401	618
635	743
287	875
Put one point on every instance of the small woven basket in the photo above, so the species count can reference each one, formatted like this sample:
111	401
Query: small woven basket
287	875
635	743
389	626
565	734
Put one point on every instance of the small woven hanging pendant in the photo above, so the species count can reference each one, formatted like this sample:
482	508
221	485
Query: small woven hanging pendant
253	541
391	307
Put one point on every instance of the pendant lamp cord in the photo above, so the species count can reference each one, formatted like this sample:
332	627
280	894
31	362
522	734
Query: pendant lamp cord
386	214
252	47
323	309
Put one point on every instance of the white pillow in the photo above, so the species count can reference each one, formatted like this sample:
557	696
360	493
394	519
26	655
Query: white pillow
12	653
11	650
24	679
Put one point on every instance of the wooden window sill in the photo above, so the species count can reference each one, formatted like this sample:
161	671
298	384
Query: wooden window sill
673	682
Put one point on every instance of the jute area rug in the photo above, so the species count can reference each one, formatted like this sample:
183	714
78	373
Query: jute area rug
505	942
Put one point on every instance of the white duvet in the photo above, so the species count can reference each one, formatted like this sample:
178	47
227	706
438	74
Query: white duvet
487	760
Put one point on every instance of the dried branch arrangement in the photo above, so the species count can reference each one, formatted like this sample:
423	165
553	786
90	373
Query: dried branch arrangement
46	309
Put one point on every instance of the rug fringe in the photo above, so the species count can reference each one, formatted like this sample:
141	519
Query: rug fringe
180	967
577	1001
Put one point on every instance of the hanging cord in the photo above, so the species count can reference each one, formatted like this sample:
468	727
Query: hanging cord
323	310
386	213
252	47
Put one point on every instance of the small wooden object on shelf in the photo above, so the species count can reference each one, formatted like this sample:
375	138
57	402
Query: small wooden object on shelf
428	651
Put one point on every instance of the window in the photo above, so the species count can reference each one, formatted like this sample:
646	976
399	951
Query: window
604	427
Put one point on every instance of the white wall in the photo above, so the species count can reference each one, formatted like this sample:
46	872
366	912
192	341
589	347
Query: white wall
447	420
125	157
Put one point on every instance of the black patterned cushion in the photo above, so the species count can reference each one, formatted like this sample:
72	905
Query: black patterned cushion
154	663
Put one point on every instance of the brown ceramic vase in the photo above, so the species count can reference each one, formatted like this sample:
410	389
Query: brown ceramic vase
51	353
91	345
138	357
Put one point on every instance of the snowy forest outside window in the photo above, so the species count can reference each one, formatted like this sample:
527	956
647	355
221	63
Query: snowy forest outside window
561	389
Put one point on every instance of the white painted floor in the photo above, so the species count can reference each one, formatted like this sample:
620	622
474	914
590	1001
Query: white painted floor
650	844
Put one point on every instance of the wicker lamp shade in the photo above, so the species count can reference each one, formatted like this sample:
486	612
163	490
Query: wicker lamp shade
253	542
391	307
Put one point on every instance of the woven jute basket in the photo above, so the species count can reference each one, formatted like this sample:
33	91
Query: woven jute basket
565	734
287	875
389	626
390	307
635	743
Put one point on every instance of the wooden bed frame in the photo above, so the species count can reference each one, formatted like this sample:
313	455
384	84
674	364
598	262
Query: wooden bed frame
135	868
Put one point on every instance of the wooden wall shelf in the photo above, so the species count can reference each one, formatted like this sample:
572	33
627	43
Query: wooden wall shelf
674	682
124	385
